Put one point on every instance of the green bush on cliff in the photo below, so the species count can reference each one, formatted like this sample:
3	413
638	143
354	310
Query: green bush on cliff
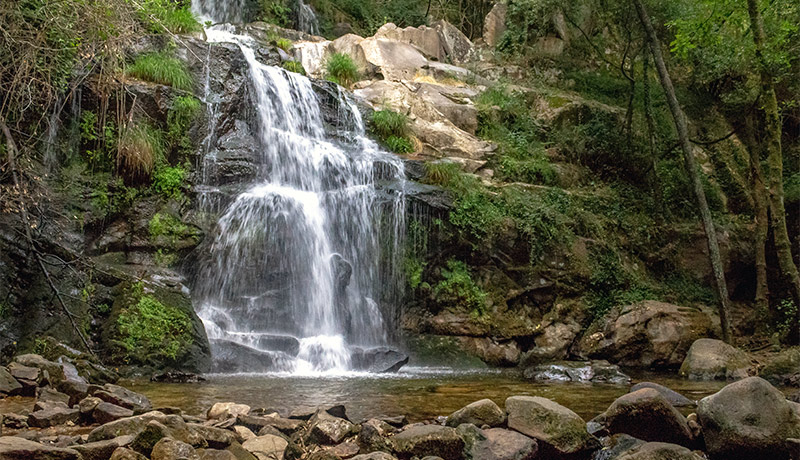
275	12
457	289
167	231
294	66
161	67
181	115
174	16
392	129
341	69
150	330
140	148
168	181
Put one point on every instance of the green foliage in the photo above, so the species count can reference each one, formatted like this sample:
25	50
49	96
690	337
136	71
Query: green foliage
175	16
413	268
284	44
165	258
526	21
504	117
148	329
40	346
612	284
791	188
5	310
367	17
444	174
88	126
168	181
786	316
140	148
275	12
398	144
340	69
161	67
294	66
164	227
458	290
180	117
99	144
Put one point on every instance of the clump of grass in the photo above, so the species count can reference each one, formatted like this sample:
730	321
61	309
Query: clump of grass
139	148
442	173
177	18
284	44
399	144
181	114
294	66
392	130
161	67
341	69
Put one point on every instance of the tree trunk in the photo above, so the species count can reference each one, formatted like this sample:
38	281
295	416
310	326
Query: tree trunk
691	168
655	182
761	208
775	163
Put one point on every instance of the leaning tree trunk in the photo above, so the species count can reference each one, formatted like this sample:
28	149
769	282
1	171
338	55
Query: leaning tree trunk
761	208
691	168
775	163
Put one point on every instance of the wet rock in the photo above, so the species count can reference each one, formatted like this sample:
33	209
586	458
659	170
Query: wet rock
76	390
106	412
28	377
500	444
710	359
648	334
494	25
51	396
123	397
479	413
397	421
177	377
502	354
102	450
377	360
216	438
375	456
15	421
171	449
8	384
148	437
123	453
345	450
645	414
748	419
232	357
374	435
557	334
267	447
178	429
324	428
224	410
674	398
561	433
795	397
783	368
573	371
52	416
283	425
87	405
422	440
616	445
243	433
14	448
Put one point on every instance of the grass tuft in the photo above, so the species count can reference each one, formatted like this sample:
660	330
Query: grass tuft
161	68
139	148
284	44
294	66
160	14
341	69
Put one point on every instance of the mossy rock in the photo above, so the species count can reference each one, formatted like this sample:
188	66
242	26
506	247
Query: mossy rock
152	326
783	368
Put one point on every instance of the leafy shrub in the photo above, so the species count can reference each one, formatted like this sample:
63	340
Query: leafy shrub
385	123
165	227
174	16
612	284
294	66
398	144
147	328
413	268
181	114
139	147
168	181
459	290
340	69
161	67
442	173
284	44
275	12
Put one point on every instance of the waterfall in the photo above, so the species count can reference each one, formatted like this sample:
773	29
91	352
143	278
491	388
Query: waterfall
306	18
300	271
236	11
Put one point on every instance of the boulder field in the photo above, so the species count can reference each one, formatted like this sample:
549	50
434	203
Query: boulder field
79	420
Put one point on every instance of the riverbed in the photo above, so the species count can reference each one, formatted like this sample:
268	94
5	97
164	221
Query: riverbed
420	393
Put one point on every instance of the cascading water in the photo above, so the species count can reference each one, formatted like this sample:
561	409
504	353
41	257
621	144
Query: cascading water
299	272
306	18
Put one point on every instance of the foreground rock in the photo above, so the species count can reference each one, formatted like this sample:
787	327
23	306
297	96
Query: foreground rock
648	334
783	368
710	359
13	448
674	398
561	433
658	451
645	414
573	371
500	444
748	419
422	440
479	413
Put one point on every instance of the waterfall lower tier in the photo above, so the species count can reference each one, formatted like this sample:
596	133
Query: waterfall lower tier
300	271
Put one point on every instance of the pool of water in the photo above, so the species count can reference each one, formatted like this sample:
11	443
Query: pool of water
419	393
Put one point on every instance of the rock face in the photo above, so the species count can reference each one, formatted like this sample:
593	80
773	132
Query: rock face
561	433
479	413
378	360
748	419
571	371
422	440
648	334
502	354
494	26
645	414
784	368
710	359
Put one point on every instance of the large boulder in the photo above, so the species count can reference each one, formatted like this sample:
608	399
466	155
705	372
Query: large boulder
645	414
176	426
224	410
102	450
561	433
106	412
374	436
377	359
783	368
426	39
674	398
457	47
324	428
748	419
500	444
53	415
576	371
494	25
553	339
267	447
13	448
710	359
54	371
395	60
171	449
123	397
658	451
422	440
647	334
479	413
8	384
